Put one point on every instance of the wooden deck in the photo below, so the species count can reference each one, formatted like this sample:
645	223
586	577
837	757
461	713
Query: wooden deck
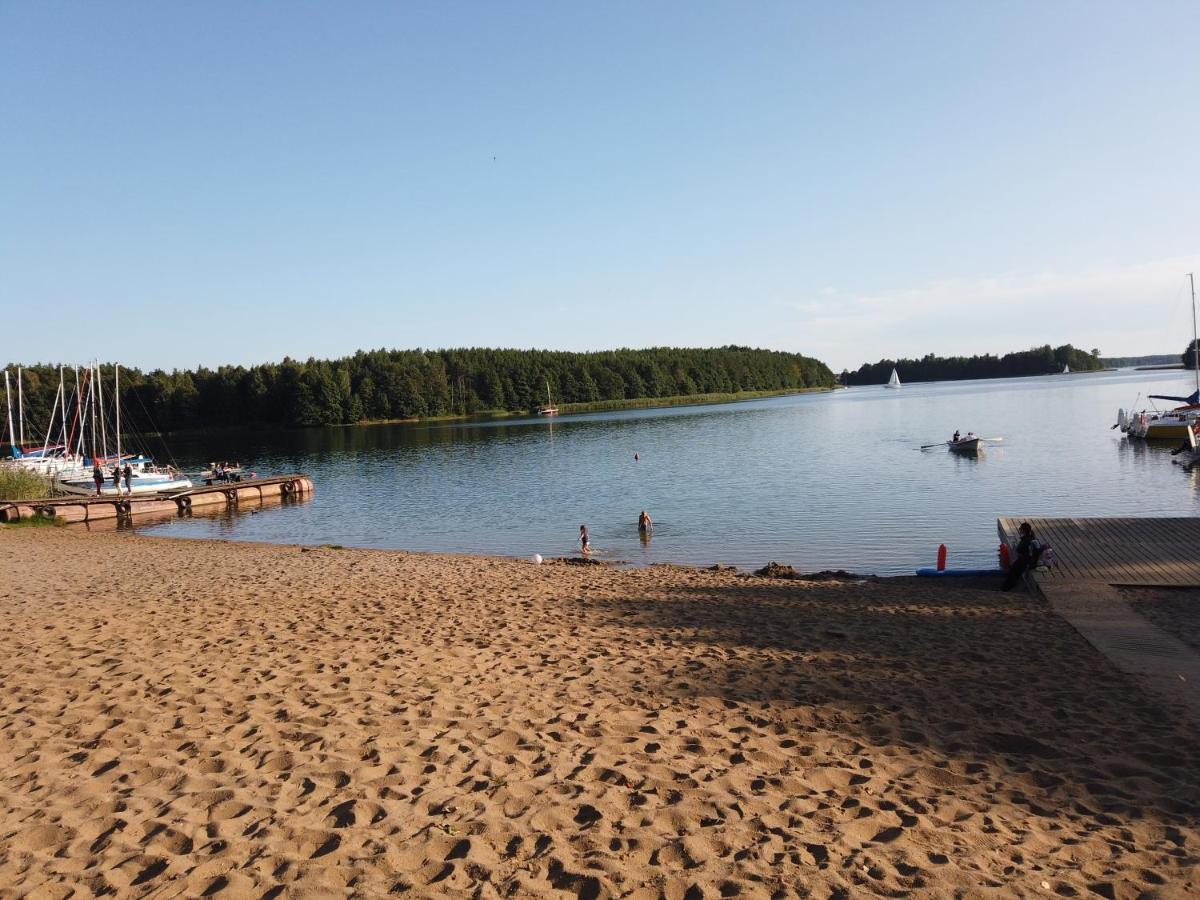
1125	551
1095	557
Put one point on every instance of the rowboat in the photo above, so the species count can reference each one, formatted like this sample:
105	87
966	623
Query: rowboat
968	444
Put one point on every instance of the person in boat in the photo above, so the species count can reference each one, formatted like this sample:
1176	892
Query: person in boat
1026	557
954	440
98	477
645	526
585	544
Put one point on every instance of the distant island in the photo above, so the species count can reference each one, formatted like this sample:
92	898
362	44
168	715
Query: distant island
382	385
1124	362
1044	360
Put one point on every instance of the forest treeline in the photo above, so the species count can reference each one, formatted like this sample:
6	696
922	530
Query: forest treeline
411	384
1042	360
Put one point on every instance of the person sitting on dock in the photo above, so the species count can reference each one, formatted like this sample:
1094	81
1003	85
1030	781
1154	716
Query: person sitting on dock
98	477
1025	557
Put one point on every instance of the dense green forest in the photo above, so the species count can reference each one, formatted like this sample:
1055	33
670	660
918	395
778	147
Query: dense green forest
408	384
1042	360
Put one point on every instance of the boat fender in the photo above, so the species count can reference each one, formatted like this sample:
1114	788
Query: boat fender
941	559
286	487
1005	557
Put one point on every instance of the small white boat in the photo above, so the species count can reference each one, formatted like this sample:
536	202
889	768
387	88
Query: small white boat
894	381
1066	369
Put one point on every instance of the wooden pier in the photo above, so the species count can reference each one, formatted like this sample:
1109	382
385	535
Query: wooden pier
219	494
1126	551
1094	558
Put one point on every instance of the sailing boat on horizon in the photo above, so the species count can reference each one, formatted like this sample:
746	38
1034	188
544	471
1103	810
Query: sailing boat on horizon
549	409
894	381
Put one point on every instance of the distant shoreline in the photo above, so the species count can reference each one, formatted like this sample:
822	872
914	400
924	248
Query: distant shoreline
491	414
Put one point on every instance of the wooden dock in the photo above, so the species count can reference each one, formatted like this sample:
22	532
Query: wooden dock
1094	558
219	494
1125	551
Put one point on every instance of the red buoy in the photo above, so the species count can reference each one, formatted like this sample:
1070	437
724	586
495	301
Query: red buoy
1005	558
942	558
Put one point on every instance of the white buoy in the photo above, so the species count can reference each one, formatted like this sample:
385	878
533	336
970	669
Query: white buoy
537	559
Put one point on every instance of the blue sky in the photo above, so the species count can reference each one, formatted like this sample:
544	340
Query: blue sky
229	182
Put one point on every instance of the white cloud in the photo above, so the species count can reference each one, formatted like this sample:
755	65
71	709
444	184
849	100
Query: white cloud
1121	309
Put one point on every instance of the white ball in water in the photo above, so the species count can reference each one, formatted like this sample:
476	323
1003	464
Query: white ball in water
537	559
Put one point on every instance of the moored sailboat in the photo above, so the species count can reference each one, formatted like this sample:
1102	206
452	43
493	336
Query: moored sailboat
144	477
1173	424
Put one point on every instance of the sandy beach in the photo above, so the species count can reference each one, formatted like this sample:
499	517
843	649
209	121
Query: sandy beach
189	718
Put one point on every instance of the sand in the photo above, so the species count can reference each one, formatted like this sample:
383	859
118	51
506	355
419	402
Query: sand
187	718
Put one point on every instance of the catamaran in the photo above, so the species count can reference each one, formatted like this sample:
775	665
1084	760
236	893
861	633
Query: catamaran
894	381
1173	424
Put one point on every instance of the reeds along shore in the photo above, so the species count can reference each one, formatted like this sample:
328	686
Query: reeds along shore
188	718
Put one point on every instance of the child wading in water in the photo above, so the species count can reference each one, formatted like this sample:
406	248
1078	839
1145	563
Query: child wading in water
585	546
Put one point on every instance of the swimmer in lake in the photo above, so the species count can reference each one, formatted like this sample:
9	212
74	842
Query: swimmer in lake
645	526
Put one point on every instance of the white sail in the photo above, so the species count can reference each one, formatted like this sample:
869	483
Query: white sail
1066	369
894	381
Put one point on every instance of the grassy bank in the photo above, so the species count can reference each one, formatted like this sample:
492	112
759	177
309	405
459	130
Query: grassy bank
18	484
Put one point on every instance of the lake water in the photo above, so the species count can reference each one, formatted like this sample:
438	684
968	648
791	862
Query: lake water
816	481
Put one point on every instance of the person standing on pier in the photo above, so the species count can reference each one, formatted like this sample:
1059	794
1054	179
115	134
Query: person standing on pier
98	477
116	477
128	473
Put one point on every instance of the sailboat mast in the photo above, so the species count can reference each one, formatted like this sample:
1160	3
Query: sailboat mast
1195	341
117	400
62	402
103	426
8	400
20	410
50	424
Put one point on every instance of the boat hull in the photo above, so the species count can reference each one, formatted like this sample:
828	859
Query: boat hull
87	488
966	445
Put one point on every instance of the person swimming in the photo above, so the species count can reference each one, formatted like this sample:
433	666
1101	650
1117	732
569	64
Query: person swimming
644	523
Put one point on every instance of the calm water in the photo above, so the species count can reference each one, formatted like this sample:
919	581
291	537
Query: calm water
817	481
